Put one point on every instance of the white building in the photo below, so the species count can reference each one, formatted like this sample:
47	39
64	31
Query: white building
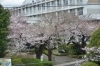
35	8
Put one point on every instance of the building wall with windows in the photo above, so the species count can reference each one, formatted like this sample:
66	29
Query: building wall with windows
34	8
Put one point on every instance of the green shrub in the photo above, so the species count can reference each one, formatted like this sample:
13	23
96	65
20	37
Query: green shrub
90	64
17	61
73	50
62	48
47	63
95	39
80	56
97	62
30	62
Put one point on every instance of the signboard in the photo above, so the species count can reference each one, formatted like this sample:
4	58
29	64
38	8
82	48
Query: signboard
5	62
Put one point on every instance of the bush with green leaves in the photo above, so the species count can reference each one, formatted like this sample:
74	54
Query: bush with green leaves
30	62
97	62
47	63
71	49
63	48
89	64
17	61
95	39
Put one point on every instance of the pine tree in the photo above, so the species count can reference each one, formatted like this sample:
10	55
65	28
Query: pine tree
4	23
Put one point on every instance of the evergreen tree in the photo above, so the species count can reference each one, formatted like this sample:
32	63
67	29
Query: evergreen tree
4	23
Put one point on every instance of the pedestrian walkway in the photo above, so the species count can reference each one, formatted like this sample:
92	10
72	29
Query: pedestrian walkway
59	59
74	63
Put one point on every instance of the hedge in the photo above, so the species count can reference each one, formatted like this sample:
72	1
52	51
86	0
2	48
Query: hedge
89	64
30	62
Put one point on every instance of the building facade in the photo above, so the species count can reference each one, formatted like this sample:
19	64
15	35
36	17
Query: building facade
34	8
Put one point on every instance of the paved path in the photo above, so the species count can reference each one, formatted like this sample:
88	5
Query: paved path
71	63
59	59
62	59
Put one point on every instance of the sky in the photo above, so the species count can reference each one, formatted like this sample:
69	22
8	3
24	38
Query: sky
11	2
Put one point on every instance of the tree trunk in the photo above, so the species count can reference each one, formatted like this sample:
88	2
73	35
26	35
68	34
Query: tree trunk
50	54
38	54
39	51
83	41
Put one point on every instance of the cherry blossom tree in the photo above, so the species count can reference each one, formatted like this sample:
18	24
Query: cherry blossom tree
52	23
49	27
17	29
81	27
23	34
55	26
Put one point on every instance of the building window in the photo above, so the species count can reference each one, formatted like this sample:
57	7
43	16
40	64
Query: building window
43	6
58	2
34	7
65	2
26	10
72	2
80	11
39	7
31	10
43	0
32	0
79	1
23	10
53	3
48	6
